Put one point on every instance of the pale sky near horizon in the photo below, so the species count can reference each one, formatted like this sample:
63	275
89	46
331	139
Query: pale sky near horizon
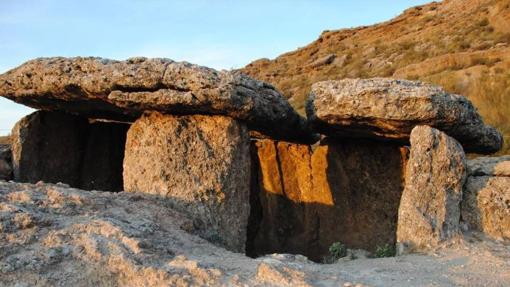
221	34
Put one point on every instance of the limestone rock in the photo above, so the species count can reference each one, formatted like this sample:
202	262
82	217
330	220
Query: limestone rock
55	236
5	162
48	146
490	166
201	163
307	198
429	211
390	109
486	202
57	147
122	90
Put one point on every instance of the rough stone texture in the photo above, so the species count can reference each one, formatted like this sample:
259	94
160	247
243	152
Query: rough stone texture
486	201
122	90
390	109
429	211
309	198
57	147
55	236
49	146
201	163
489	166
5	162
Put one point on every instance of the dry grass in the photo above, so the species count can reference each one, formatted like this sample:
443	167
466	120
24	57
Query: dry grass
5	140
420	34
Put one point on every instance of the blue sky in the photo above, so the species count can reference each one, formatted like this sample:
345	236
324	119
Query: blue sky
221	34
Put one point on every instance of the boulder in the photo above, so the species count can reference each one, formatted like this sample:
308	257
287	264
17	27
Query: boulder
389	109
486	202
308	197
5	162
201	164
123	90
57	147
429	211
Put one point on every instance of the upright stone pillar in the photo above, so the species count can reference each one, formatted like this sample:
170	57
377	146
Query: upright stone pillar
429	211
201	164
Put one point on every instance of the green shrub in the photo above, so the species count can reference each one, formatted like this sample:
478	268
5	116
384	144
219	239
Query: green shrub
337	250
385	251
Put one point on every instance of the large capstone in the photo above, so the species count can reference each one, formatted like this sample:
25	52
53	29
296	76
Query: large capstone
57	147
199	163
486	201
429	211
389	109
123	90
305	198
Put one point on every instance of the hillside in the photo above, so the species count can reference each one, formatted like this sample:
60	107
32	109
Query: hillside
462	45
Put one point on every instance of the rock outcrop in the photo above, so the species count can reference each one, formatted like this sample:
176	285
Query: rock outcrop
390	109
123	90
429	211
55	236
201	163
58	147
5	162
486	203
307	198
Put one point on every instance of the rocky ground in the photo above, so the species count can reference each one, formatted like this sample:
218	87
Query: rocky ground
53	235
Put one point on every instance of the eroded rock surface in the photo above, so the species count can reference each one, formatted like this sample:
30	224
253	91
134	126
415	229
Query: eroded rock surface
486	201
390	109
52	235
429	211
122	90
201	163
310	197
58	147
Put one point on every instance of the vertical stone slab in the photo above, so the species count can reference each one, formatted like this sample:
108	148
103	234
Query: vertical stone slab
5	162
338	191
57	147
49	146
486	197
201	164
429	211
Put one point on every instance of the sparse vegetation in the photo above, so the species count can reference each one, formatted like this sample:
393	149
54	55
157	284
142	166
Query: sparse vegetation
385	251
416	38
337	250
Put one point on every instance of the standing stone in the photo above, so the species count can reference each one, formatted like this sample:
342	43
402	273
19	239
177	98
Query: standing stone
312	196
429	211
486	203
57	147
201	164
5	162
49	147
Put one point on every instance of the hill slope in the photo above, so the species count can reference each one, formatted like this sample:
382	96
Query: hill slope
462	45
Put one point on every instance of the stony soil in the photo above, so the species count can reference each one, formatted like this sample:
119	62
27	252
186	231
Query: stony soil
53	235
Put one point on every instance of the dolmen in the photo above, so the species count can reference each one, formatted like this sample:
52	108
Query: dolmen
231	153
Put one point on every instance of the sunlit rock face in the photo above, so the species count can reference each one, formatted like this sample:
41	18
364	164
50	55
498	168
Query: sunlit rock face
304	198
199	163
486	198
429	211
